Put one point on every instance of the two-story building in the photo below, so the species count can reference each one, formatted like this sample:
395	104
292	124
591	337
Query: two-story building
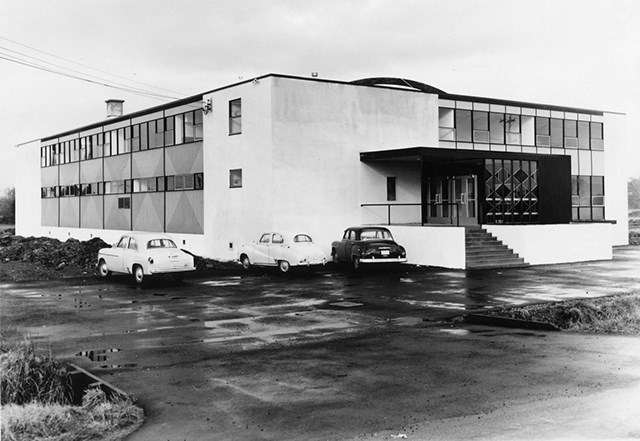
304	154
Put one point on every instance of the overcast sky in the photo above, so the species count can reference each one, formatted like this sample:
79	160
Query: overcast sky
580	53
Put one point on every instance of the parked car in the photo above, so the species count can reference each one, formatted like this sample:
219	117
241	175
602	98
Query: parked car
283	250
144	254
367	245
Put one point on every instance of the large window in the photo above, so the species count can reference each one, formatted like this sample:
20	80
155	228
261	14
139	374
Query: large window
235	117
511	192
587	195
463	125
480	126
543	137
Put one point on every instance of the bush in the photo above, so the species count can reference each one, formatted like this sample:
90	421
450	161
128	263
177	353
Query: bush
27	377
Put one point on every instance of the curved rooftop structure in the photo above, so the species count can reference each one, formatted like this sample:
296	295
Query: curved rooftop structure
402	82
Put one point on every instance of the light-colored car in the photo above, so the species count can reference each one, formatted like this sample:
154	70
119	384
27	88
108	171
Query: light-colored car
144	254
284	250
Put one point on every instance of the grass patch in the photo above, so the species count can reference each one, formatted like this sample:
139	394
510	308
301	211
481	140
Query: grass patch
98	418
619	314
26	377
36	402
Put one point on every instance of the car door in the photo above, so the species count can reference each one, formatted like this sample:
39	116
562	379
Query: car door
129	255
346	244
261	250
115	255
276	249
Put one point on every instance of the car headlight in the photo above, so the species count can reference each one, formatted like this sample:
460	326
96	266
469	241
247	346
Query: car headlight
403	252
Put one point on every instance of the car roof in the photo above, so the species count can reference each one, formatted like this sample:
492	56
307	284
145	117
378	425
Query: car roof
148	236
286	234
368	227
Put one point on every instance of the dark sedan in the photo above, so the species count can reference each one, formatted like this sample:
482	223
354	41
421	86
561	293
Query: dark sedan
367	245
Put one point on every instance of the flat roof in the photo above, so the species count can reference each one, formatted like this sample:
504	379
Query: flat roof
411	87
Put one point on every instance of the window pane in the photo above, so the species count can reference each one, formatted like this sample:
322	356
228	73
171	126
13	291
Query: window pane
480	120
584	189
497	125
583	135
557	138
235	117
235	178
596	130
570	128
542	126
179	134
463	125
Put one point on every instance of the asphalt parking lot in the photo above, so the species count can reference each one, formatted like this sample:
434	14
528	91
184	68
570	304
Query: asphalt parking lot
337	355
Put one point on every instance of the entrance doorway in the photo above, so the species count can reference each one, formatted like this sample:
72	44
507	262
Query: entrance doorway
453	200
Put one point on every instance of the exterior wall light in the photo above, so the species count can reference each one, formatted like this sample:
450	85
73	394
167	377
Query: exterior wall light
207	106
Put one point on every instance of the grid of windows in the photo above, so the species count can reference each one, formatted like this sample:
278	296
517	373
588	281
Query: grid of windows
163	132
504	128
587	198
511	188
190	181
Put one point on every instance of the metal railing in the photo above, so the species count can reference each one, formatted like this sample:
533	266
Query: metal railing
422	222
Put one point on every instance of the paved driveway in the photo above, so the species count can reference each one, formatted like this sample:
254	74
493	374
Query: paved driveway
332	355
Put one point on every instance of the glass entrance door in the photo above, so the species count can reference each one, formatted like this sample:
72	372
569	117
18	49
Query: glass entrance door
453	200
464	191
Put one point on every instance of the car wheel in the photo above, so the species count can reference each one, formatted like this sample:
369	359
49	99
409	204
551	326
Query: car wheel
138	274
356	262
244	260
283	266
334	256
102	269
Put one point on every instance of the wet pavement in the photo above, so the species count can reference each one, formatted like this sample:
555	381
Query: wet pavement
333	354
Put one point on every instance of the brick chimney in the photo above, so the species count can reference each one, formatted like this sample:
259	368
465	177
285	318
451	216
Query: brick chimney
114	108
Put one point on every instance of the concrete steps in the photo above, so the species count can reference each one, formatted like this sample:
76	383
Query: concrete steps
485	251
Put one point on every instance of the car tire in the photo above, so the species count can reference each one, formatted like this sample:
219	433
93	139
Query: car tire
246	263
356	262
334	256
138	274
283	266
103	270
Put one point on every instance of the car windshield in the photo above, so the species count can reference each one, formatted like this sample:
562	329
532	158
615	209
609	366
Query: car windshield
161	243
375	233
302	238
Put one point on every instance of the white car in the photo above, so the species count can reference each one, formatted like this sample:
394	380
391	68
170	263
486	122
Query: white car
282	250
144	254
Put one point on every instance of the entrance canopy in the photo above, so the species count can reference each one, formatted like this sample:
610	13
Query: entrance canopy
506	187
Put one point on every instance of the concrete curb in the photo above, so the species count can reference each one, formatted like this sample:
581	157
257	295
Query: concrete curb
505	322
82	380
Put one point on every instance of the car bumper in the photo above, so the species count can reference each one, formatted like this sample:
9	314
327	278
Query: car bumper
383	260
171	270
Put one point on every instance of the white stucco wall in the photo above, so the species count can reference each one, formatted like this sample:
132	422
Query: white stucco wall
432	246
546	244
615	182
233	216
319	130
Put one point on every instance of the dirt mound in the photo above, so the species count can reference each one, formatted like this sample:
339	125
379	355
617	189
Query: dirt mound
25	258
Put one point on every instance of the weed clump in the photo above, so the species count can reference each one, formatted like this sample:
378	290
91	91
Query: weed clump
26	377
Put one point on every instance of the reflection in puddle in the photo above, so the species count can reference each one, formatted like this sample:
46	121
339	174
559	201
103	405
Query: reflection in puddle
97	355
346	304
234	282
118	366
456	331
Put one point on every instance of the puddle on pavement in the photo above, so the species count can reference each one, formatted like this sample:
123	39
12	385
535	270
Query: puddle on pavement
234	282
346	304
407	280
97	355
434	304
178	298
407	321
118	366
456	331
